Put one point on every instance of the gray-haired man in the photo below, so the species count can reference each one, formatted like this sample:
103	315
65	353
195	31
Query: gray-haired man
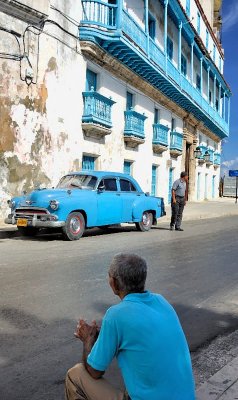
144	334
178	201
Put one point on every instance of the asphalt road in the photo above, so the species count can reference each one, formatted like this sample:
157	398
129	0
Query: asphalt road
46	284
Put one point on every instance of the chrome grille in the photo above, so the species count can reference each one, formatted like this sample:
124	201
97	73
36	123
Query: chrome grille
30	213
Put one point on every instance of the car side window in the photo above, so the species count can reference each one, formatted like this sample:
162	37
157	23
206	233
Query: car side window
110	184
127	186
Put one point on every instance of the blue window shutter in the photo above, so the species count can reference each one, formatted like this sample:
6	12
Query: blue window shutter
153	180
129	100
151	26
91	80
183	65
127	167
170	48
88	163
198	22
156	116
188	7
207	38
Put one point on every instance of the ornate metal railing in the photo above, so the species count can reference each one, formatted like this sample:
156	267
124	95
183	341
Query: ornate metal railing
99	13
160	134
134	124
97	109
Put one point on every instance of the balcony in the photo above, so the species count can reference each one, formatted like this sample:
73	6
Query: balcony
96	119
134	131
217	160
114	30
207	156
160	138
176	144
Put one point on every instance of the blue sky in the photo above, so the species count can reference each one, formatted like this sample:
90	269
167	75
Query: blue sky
230	45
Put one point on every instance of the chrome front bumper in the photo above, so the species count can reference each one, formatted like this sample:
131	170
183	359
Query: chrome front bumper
36	223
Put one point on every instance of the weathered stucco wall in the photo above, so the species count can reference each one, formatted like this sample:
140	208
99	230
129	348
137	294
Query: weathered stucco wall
40	125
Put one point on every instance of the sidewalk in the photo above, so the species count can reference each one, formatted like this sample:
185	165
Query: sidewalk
223	385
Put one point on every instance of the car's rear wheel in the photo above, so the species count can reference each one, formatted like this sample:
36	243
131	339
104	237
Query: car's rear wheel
74	226
146	222
27	231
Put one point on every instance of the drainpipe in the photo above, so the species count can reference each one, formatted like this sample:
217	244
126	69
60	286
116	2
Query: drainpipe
214	99
208	84
192	46
229	109
165	31
147	26
219	99
119	14
224	106
201	65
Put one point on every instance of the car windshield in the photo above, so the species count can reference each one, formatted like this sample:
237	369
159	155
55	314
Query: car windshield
77	182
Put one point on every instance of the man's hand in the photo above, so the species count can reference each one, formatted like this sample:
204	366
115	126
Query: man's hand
86	332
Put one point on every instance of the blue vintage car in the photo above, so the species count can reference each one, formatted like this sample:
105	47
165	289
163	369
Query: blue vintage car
83	200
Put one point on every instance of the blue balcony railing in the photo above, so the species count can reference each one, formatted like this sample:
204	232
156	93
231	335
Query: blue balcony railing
97	109
176	141
119	34
217	159
134	124
160	134
211	154
204	150
99	13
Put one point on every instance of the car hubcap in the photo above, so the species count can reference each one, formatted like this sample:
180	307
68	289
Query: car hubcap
146	219
75	225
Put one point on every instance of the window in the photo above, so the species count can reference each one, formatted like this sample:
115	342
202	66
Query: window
129	101
127	186
173	124
198	23
109	184
91	80
88	163
214	52
210	96
156	116
127	167
198	82
207	38
188	7
183	65
170	48
151	26
154	180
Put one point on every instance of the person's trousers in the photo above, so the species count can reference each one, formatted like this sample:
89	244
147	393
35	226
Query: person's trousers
79	385
177	212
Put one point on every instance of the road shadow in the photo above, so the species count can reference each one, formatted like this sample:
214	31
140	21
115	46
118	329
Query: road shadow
36	353
49	236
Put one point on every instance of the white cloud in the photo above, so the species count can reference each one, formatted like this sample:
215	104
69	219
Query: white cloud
231	163
231	17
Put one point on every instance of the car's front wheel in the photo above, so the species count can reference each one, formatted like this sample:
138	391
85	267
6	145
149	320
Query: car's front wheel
146	222
74	226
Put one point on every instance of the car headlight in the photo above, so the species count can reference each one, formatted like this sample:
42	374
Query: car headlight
11	203
54	204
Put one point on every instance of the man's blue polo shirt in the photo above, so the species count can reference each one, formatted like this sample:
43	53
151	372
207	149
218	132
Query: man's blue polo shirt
144	333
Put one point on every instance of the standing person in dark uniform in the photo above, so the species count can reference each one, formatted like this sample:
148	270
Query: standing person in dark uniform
179	196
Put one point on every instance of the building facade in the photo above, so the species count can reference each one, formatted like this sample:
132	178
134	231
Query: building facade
133	86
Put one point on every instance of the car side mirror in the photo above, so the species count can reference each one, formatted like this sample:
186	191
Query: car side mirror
101	188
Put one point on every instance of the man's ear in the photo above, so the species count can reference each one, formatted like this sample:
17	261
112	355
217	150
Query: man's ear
115	286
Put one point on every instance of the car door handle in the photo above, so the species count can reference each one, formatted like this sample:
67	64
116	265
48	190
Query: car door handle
118	194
